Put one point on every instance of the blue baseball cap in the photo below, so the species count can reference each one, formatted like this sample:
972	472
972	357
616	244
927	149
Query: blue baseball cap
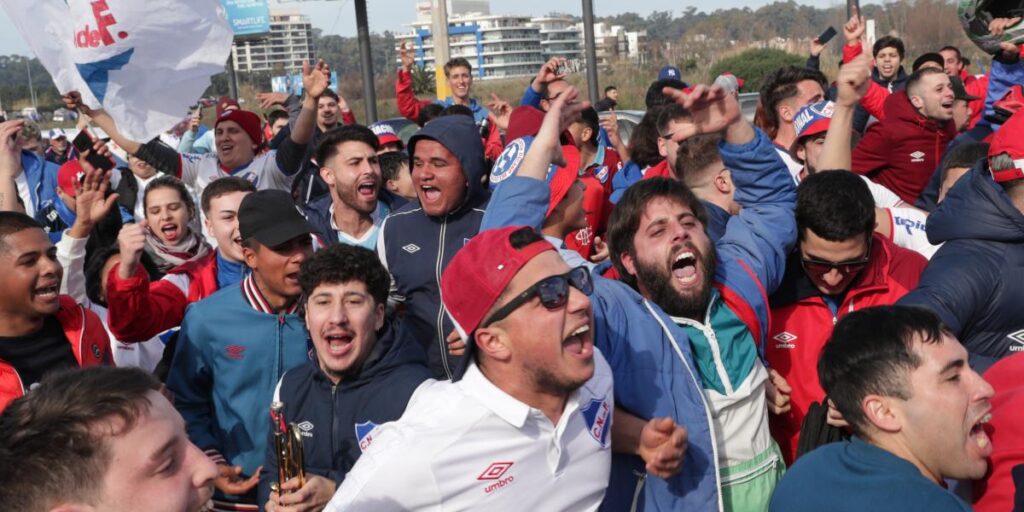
811	120
670	72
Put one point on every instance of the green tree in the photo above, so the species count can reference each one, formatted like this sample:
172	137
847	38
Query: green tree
753	65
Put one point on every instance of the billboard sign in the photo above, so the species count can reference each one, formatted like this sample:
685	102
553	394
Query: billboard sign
248	18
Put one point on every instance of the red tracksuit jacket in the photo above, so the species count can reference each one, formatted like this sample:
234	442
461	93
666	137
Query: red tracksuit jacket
902	151
88	339
802	322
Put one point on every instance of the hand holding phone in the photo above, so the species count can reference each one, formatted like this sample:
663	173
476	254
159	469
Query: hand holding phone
84	143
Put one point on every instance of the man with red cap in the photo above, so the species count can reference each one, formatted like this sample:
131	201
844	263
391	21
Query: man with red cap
529	424
194	142
239	139
973	281
58	214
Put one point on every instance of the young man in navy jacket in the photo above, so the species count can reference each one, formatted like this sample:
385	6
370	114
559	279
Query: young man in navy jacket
365	371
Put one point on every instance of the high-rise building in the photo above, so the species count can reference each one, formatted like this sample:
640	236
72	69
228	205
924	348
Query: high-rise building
497	46
561	36
290	43
455	8
613	42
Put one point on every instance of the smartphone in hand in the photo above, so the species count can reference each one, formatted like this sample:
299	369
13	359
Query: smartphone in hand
826	36
83	143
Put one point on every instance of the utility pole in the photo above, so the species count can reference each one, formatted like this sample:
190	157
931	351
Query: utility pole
366	61
439	35
591	48
31	90
232	77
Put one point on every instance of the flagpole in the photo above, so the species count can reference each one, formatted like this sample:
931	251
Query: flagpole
31	90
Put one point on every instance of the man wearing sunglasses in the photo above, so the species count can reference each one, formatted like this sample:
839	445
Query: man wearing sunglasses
529	425
840	266
667	361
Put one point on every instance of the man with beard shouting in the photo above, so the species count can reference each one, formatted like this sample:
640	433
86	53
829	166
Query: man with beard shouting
699	305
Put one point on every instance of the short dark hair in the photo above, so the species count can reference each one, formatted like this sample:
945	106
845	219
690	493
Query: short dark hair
327	148
643	142
871	352
626	216
14	222
222	186
341	263
51	434
427	113
781	85
275	115
889	42
959	56
456	110
917	76
330	94
694	155
591	120
172	183
655	97
834	205
963	155
457	62
669	113
610	88
390	163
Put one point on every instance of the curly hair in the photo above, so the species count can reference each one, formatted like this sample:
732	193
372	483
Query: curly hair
343	263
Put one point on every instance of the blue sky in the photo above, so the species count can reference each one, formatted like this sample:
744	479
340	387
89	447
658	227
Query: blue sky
338	16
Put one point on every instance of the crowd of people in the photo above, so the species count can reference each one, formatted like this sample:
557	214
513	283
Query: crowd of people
516	309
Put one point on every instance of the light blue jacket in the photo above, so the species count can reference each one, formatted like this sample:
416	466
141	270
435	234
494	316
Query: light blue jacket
654	366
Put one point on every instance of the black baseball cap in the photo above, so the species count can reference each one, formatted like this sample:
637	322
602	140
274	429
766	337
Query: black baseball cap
932	57
959	91
271	217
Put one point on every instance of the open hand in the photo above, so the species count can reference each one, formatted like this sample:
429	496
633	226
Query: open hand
91	202
997	26
711	110
315	79
501	110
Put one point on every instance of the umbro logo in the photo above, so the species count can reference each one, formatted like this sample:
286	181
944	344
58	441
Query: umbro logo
306	429
785	340
494	471
234	351
411	248
1018	341
917	156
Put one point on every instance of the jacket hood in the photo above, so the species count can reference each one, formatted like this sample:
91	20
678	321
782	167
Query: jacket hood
897	82
395	347
898	106
976	208
460	136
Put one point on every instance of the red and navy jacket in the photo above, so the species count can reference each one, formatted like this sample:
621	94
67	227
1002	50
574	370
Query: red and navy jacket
84	332
802	322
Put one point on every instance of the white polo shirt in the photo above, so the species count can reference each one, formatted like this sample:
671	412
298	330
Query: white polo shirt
197	171
470	446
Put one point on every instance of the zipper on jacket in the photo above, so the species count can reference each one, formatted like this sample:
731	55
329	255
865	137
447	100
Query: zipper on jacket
641	479
280	346
441	338
700	394
716	350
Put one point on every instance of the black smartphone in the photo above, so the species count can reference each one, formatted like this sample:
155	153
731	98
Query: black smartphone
827	35
83	143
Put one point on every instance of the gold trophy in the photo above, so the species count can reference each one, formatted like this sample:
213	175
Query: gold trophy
288	446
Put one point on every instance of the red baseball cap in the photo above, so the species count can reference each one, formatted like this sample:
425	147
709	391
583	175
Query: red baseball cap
480	272
224	103
69	175
1009	139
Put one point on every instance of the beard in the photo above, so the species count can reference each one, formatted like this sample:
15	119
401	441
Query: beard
657	280
546	381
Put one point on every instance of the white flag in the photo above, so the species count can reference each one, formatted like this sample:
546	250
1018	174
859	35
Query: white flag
144	62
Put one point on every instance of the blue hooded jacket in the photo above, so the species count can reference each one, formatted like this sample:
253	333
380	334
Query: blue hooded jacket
655	370
336	420
973	281
41	177
416	247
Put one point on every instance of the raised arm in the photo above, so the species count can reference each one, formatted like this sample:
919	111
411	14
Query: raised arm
10	165
851	84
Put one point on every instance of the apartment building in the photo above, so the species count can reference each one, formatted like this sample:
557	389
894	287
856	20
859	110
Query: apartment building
290	43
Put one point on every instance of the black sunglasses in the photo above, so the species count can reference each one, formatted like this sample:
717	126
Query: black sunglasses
553	292
821	267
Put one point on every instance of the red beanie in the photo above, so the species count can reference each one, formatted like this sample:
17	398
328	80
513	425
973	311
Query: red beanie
69	175
249	122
